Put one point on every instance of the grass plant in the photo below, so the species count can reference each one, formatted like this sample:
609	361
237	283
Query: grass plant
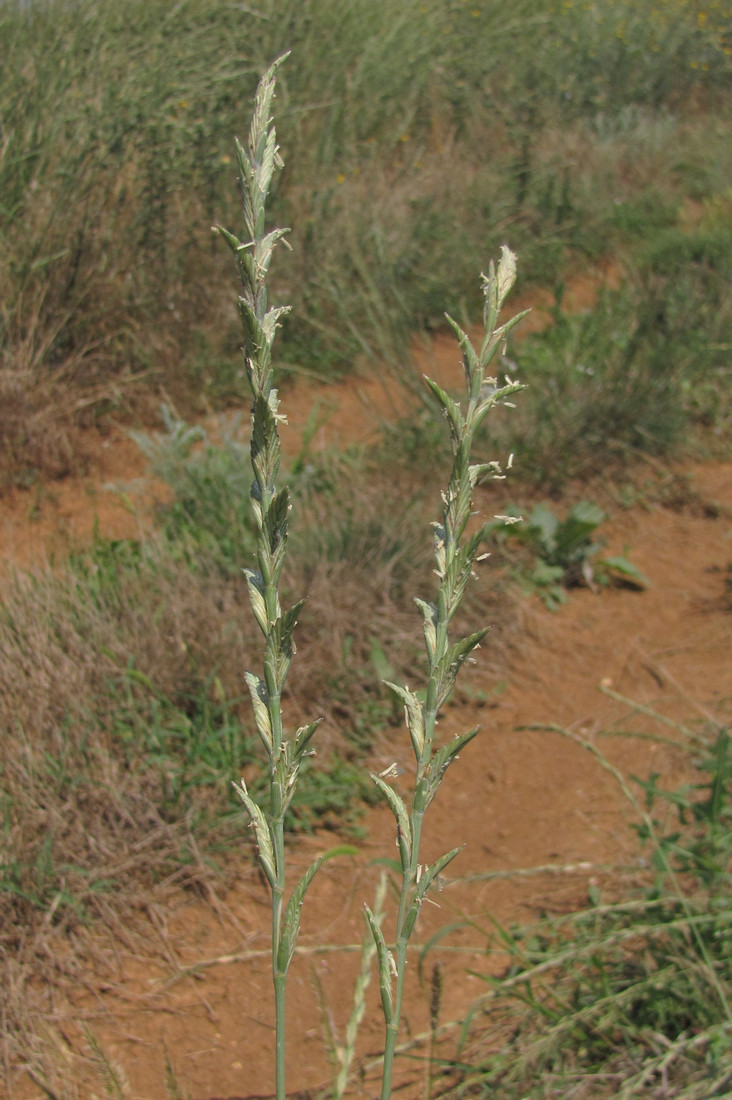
270	506
455	555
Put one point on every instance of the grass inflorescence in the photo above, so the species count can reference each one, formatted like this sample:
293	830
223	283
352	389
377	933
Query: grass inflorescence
455	555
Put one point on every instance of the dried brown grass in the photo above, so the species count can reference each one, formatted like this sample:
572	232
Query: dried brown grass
86	826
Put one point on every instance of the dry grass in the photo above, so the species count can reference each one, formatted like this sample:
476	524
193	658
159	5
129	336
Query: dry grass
109	284
121	667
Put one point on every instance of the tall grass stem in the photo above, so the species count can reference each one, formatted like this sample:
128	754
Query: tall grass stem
257	162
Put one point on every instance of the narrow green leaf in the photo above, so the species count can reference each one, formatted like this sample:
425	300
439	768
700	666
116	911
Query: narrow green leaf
502	332
340	850
427	877
430	873
470	357
449	407
391	864
451	663
441	761
233	242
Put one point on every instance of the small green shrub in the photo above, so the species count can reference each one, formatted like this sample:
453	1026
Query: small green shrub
208	520
565	554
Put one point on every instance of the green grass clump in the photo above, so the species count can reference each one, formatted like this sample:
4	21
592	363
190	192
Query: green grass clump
639	373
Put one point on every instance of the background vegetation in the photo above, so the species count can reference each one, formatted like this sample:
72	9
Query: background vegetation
419	136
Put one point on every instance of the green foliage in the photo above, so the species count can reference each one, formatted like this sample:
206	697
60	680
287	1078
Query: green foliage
208	520
634	373
455	554
564	550
701	845
190	744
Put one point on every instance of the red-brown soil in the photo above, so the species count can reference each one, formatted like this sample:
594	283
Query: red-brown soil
189	975
116	495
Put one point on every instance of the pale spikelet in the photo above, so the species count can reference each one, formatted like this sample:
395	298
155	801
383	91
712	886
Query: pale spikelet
506	275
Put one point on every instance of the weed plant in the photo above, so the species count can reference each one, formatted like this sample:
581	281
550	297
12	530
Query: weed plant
564	552
104	280
631	997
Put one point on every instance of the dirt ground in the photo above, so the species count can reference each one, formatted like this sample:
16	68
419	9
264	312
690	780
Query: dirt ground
186	977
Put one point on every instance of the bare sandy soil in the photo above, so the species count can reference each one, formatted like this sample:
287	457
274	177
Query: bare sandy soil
189	975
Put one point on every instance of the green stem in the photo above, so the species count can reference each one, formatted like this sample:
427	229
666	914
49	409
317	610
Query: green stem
400	948
279	977
280	983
